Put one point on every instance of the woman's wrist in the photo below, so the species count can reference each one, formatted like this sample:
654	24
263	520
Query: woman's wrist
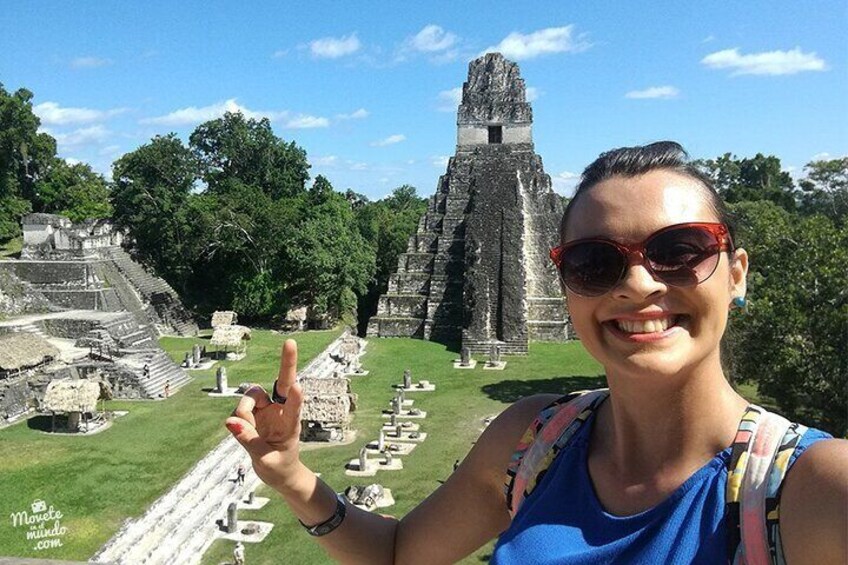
292	481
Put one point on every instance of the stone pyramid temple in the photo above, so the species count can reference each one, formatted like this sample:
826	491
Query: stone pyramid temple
477	270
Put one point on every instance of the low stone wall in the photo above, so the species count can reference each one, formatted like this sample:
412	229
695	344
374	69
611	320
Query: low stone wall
69	328
548	331
406	305
396	327
125	384
19	297
67	273
75	299
21	393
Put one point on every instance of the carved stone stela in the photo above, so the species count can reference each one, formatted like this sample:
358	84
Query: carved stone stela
477	270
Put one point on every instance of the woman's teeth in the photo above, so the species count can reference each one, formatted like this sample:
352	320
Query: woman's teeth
645	326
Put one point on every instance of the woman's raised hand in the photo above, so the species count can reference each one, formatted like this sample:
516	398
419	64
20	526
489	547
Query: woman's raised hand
270	431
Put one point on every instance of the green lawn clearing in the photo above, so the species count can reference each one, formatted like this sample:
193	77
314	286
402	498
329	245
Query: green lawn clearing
100	480
463	398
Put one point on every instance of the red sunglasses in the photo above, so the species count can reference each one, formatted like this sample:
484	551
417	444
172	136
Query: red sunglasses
678	255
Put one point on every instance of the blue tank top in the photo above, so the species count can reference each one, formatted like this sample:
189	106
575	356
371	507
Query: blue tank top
562	521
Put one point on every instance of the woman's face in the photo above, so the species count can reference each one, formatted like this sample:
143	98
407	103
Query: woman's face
643	327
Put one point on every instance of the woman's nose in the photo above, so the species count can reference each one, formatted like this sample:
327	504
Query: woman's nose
638	283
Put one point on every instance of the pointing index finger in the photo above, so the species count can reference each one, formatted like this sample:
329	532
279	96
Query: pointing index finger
288	368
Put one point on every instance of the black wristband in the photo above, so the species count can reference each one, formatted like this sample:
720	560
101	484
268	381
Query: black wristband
333	522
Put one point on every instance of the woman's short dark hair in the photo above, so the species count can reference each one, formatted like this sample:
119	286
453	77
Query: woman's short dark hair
641	159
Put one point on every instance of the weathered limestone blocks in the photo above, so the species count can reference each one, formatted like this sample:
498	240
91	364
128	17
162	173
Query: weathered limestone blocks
465	361
369	497
365	466
480	256
328	399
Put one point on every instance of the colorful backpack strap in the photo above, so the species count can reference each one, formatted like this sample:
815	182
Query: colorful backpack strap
758	463
552	429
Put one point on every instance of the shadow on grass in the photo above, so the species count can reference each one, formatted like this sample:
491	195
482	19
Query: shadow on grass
43	423
511	390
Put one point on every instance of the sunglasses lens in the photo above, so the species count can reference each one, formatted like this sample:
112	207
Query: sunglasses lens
683	257
592	268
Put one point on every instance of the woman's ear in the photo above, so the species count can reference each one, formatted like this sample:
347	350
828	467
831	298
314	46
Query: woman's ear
739	273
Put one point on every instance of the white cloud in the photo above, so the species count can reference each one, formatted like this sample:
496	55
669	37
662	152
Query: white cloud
432	38
708	38
72	161
654	92
825	156
325	161
280	53
333	48
765	63
440	161
518	46
305	121
391	140
358	166
52	114
89	62
532	93
82	136
195	115
450	99
356	115
565	182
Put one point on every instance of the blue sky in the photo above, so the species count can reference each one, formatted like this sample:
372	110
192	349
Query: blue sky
369	89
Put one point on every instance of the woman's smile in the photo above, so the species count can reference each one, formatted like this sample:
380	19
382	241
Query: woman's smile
655	328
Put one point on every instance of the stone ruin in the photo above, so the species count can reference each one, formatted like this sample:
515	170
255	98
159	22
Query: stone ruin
328	400
477	270
76	288
83	267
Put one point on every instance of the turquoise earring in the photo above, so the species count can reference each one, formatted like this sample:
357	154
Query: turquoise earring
740	302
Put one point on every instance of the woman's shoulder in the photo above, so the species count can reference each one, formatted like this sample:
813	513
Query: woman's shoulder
814	501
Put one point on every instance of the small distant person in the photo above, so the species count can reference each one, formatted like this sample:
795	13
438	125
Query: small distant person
167	389
146	371
240	474
238	554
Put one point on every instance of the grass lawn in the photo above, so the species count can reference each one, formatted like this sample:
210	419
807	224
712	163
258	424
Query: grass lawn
454	420
100	480
11	248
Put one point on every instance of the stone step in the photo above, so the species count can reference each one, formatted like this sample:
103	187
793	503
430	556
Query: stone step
409	283
402	305
179	526
379	326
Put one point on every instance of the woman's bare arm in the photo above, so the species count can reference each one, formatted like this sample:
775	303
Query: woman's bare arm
461	515
814	506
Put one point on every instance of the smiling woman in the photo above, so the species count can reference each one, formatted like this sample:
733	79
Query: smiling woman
672	464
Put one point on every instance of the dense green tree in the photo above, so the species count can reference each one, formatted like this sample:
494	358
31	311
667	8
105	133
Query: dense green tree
792	342
825	189
24	155
152	186
75	191
235	147
751	180
332	261
386	225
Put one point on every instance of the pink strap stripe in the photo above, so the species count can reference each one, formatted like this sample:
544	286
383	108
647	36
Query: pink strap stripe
544	441
770	431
